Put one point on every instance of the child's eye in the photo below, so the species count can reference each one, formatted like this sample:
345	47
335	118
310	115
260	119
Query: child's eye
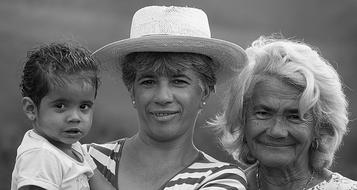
85	106
59	106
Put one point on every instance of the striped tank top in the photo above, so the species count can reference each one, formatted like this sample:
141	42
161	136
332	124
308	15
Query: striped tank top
203	173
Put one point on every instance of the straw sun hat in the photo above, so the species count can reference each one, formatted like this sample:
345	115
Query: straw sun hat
173	29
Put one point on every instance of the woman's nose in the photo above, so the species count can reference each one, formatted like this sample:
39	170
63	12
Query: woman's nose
163	94
278	128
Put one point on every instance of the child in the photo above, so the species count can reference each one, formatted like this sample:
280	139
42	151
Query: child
59	86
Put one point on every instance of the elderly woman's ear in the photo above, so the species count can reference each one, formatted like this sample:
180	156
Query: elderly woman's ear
326	138
322	155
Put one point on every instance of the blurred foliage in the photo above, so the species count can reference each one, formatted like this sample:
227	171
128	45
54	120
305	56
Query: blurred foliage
327	24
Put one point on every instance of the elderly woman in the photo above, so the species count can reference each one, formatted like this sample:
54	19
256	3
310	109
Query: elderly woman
285	116
170	65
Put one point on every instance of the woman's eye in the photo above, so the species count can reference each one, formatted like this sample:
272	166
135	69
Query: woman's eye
147	82
295	118
262	115
180	82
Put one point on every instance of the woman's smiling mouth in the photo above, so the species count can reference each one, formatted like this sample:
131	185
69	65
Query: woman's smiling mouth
276	143
164	115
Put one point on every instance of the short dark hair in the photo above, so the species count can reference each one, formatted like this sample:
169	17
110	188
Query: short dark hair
47	65
167	63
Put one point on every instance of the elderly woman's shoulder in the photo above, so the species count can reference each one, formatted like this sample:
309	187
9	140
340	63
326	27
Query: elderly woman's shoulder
336	182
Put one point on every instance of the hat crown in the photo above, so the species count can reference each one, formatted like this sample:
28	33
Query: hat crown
176	21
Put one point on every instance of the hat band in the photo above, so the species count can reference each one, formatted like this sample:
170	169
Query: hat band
169	28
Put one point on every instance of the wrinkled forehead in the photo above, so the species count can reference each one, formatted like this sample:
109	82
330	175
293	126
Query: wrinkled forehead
275	87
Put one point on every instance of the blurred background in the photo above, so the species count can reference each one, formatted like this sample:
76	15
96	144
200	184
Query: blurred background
327	24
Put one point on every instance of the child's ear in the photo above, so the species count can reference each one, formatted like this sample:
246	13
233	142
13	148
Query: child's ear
29	108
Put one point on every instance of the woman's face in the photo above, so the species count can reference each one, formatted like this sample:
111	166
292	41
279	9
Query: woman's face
167	106
276	134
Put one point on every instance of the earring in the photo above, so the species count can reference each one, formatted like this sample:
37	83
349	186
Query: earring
133	102
315	144
202	104
32	117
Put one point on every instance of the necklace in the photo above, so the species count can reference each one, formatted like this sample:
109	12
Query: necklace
257	179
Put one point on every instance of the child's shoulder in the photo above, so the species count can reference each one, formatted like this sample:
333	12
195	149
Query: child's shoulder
34	142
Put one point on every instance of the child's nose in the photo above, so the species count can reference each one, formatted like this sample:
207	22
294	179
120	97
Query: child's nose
74	116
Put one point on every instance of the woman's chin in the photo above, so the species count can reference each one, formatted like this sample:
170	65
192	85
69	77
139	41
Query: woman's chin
275	160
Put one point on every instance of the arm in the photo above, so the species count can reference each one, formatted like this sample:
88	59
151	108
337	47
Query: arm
99	182
38	169
31	187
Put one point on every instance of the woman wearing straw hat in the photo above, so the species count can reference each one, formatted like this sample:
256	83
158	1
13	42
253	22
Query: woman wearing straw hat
170	65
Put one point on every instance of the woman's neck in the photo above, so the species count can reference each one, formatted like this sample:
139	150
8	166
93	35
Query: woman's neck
146	165
179	149
283	177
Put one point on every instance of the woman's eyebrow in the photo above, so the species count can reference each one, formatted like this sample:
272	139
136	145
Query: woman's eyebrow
180	75
145	75
292	111
261	106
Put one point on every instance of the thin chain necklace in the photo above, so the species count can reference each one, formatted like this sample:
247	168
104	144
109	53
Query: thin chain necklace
257	179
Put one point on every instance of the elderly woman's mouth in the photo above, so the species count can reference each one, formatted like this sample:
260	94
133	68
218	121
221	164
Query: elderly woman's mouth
277	144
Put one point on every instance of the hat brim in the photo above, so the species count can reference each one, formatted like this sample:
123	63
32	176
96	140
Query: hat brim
229	56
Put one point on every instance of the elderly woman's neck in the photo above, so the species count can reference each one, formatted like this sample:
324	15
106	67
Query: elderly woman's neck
290	177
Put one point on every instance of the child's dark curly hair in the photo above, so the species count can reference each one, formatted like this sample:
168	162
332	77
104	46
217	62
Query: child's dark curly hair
50	65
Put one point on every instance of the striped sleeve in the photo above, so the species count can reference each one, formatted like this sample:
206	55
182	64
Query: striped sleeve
104	156
206	173
226	177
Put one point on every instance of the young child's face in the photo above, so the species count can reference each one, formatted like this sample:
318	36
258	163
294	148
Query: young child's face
65	114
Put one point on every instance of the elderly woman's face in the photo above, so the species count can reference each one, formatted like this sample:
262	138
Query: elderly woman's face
275	133
167	106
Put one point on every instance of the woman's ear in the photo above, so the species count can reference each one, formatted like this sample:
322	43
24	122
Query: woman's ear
205	95
132	97
29	108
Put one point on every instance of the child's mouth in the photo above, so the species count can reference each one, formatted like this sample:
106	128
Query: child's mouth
73	131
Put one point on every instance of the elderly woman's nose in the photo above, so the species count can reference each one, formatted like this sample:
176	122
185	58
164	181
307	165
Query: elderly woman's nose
278	128
163	93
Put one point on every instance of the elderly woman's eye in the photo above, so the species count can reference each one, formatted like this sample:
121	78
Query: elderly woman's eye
262	114
294	118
